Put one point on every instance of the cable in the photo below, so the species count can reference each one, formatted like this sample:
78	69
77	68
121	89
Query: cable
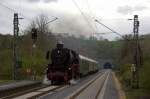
89	8
113	31
86	19
14	11
91	14
103	33
7	7
51	21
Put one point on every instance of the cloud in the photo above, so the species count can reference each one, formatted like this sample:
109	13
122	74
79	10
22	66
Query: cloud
125	9
129	9
34	0
72	24
140	8
68	22
45	1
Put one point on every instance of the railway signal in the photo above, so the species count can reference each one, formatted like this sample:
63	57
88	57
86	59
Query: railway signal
34	33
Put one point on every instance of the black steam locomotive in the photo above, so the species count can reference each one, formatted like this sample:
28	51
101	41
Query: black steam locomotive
66	64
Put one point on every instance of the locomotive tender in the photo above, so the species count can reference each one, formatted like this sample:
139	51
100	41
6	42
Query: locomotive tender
66	65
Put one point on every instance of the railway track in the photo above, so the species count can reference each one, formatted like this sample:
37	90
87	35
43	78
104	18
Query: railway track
33	93
16	89
93	89
84	92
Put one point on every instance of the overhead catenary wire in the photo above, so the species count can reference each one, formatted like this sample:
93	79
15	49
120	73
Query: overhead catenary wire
91	14
14	11
113	31
10	9
84	16
89	8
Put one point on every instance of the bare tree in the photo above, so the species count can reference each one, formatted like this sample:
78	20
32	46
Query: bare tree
41	22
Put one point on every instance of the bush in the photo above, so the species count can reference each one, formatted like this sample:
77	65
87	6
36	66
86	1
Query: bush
144	75
125	74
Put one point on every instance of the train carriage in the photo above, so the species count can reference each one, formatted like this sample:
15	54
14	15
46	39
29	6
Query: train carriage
87	65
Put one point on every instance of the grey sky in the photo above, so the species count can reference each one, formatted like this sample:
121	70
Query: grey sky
129	9
113	13
46	1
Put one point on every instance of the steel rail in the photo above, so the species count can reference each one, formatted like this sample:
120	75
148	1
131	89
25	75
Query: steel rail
79	91
37	89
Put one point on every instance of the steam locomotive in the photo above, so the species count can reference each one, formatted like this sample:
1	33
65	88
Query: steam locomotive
67	65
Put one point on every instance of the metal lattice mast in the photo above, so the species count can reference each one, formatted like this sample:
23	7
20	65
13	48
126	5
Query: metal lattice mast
15	45
137	53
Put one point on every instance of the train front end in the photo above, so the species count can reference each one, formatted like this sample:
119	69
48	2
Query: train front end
58	75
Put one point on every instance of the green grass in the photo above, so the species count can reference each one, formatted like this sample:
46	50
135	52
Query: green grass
136	93
6	81
133	93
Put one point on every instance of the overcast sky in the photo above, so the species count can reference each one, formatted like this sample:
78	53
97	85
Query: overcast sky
113	13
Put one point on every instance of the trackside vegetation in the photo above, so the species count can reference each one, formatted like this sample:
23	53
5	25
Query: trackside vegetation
124	68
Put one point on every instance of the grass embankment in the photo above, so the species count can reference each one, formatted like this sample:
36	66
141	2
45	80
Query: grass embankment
6	81
124	76
39	78
137	94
